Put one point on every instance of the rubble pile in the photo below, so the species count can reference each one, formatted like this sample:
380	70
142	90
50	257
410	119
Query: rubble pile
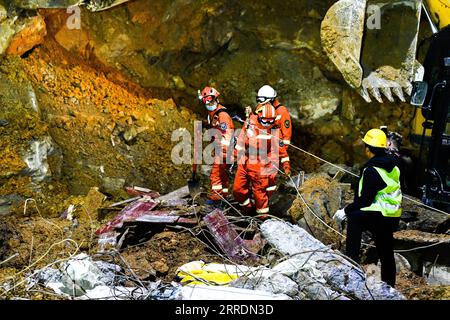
170	247
87	115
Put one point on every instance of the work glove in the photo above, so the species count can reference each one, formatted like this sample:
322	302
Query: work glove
287	168
340	217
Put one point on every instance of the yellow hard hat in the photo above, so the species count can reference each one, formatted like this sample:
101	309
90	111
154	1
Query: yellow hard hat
375	138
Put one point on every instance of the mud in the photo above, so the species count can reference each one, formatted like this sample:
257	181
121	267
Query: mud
165	252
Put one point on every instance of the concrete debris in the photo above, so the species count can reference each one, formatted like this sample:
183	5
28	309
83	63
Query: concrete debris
114	293
437	275
76	276
338	273
433	249
269	281
401	262
310	280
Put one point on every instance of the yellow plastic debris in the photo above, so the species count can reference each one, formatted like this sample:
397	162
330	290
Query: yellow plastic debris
199	273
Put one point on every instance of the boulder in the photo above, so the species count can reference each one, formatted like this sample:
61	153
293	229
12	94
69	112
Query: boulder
320	197
30	32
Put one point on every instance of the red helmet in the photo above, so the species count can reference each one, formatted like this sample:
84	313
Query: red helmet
266	113
208	95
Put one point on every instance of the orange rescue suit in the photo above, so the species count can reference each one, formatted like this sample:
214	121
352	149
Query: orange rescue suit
219	119
258	156
284	124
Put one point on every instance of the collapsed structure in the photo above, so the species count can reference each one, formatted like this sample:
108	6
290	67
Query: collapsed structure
242	258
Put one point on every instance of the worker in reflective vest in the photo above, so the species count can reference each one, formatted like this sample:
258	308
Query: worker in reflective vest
377	205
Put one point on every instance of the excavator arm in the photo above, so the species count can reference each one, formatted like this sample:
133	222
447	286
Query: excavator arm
373	43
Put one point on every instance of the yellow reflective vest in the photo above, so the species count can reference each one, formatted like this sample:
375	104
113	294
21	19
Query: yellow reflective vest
388	201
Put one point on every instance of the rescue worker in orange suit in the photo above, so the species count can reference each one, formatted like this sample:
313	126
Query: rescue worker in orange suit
282	122
219	119
258	158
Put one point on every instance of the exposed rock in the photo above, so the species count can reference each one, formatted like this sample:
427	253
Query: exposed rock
321	199
113	186
89	116
92	203
30	33
348	104
5	36
73	39
36	159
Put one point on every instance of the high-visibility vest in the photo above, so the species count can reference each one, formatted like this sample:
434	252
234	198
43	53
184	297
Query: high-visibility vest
388	201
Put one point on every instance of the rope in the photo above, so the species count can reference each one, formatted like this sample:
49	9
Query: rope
342	236
355	175
423	247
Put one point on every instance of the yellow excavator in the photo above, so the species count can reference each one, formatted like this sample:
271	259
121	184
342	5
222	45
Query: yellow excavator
374	44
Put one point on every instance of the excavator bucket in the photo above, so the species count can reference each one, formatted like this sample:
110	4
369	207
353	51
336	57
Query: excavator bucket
373	44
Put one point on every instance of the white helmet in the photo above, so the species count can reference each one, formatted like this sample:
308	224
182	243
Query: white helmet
265	94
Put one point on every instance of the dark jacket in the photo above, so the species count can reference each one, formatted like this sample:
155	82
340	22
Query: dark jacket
372	182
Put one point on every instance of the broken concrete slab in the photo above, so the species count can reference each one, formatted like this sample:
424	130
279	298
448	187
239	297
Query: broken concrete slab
339	273
269	281
421	237
311	282
77	275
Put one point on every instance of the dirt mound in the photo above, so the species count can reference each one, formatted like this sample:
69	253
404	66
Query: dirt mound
165	252
319	199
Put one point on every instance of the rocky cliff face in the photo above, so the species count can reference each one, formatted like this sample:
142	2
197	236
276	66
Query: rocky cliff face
179	46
